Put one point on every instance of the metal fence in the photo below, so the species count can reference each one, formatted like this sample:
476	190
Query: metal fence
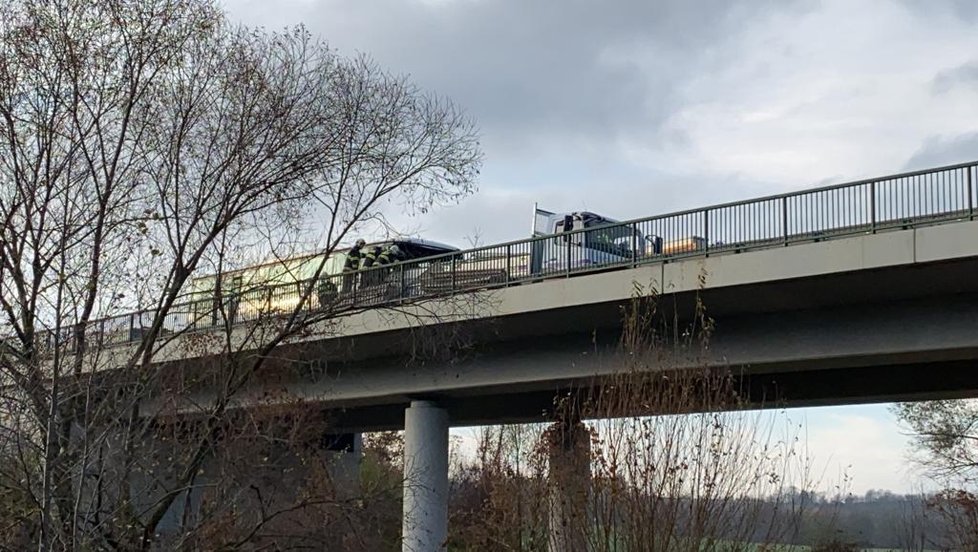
867	206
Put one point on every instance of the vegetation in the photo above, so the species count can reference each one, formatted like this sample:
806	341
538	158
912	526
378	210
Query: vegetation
144	143
946	438
647	475
147	143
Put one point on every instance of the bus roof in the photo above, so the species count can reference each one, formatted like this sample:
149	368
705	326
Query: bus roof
302	256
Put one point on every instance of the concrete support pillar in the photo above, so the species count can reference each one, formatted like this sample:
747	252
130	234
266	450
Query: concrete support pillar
345	453
425	526
569	447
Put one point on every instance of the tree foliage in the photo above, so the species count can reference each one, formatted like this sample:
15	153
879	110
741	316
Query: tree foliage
945	434
144	143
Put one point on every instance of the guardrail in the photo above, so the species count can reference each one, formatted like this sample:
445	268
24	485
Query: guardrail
892	202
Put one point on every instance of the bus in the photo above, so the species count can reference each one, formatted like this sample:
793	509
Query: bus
275	287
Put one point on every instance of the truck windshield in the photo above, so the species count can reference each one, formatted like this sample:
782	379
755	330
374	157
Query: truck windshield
616	239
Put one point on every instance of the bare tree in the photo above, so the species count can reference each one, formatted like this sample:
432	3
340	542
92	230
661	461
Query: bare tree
945	437
672	459
145	143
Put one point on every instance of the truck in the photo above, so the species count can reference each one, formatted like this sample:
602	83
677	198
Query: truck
569	241
604	240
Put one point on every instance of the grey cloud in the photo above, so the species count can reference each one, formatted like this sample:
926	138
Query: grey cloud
498	218
539	74
941	150
962	75
966	10
557	88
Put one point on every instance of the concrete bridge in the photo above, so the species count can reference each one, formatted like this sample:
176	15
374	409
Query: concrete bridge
875	317
855	293
844	310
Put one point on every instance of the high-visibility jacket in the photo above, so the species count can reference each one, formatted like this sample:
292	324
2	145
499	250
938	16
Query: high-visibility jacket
370	257
353	258
385	257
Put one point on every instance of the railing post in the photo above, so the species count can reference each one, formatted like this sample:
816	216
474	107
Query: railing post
508	262
401	293
453	272
784	219
706	231
971	193
358	282
872	205
635	254
567	260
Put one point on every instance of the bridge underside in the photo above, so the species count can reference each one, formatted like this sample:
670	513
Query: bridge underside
875	384
831	339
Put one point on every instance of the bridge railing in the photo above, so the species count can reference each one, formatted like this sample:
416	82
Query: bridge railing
892	202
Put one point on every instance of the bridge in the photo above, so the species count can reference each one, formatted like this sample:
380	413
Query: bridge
838	291
858	292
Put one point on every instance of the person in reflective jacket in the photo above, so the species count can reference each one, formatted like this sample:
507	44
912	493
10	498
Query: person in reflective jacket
370	257
354	255
389	255
370	277
377	258
353	258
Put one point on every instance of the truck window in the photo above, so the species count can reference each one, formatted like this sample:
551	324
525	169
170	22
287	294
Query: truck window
616	239
564	226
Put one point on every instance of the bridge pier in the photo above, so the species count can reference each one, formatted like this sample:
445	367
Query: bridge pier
345	451
425	514
279	473
569	455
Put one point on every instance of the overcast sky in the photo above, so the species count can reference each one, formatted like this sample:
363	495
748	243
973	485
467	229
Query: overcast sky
641	107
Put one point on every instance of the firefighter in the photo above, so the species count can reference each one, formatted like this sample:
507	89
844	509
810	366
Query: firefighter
326	292
369	260
354	255
370	257
352	264
379	257
391	254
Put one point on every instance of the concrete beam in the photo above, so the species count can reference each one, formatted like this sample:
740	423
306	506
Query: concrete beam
845	354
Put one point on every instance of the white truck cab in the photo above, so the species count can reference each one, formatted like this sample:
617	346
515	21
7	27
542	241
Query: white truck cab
584	238
560	242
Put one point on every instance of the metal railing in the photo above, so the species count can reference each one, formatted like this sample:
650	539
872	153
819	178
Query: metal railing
866	206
